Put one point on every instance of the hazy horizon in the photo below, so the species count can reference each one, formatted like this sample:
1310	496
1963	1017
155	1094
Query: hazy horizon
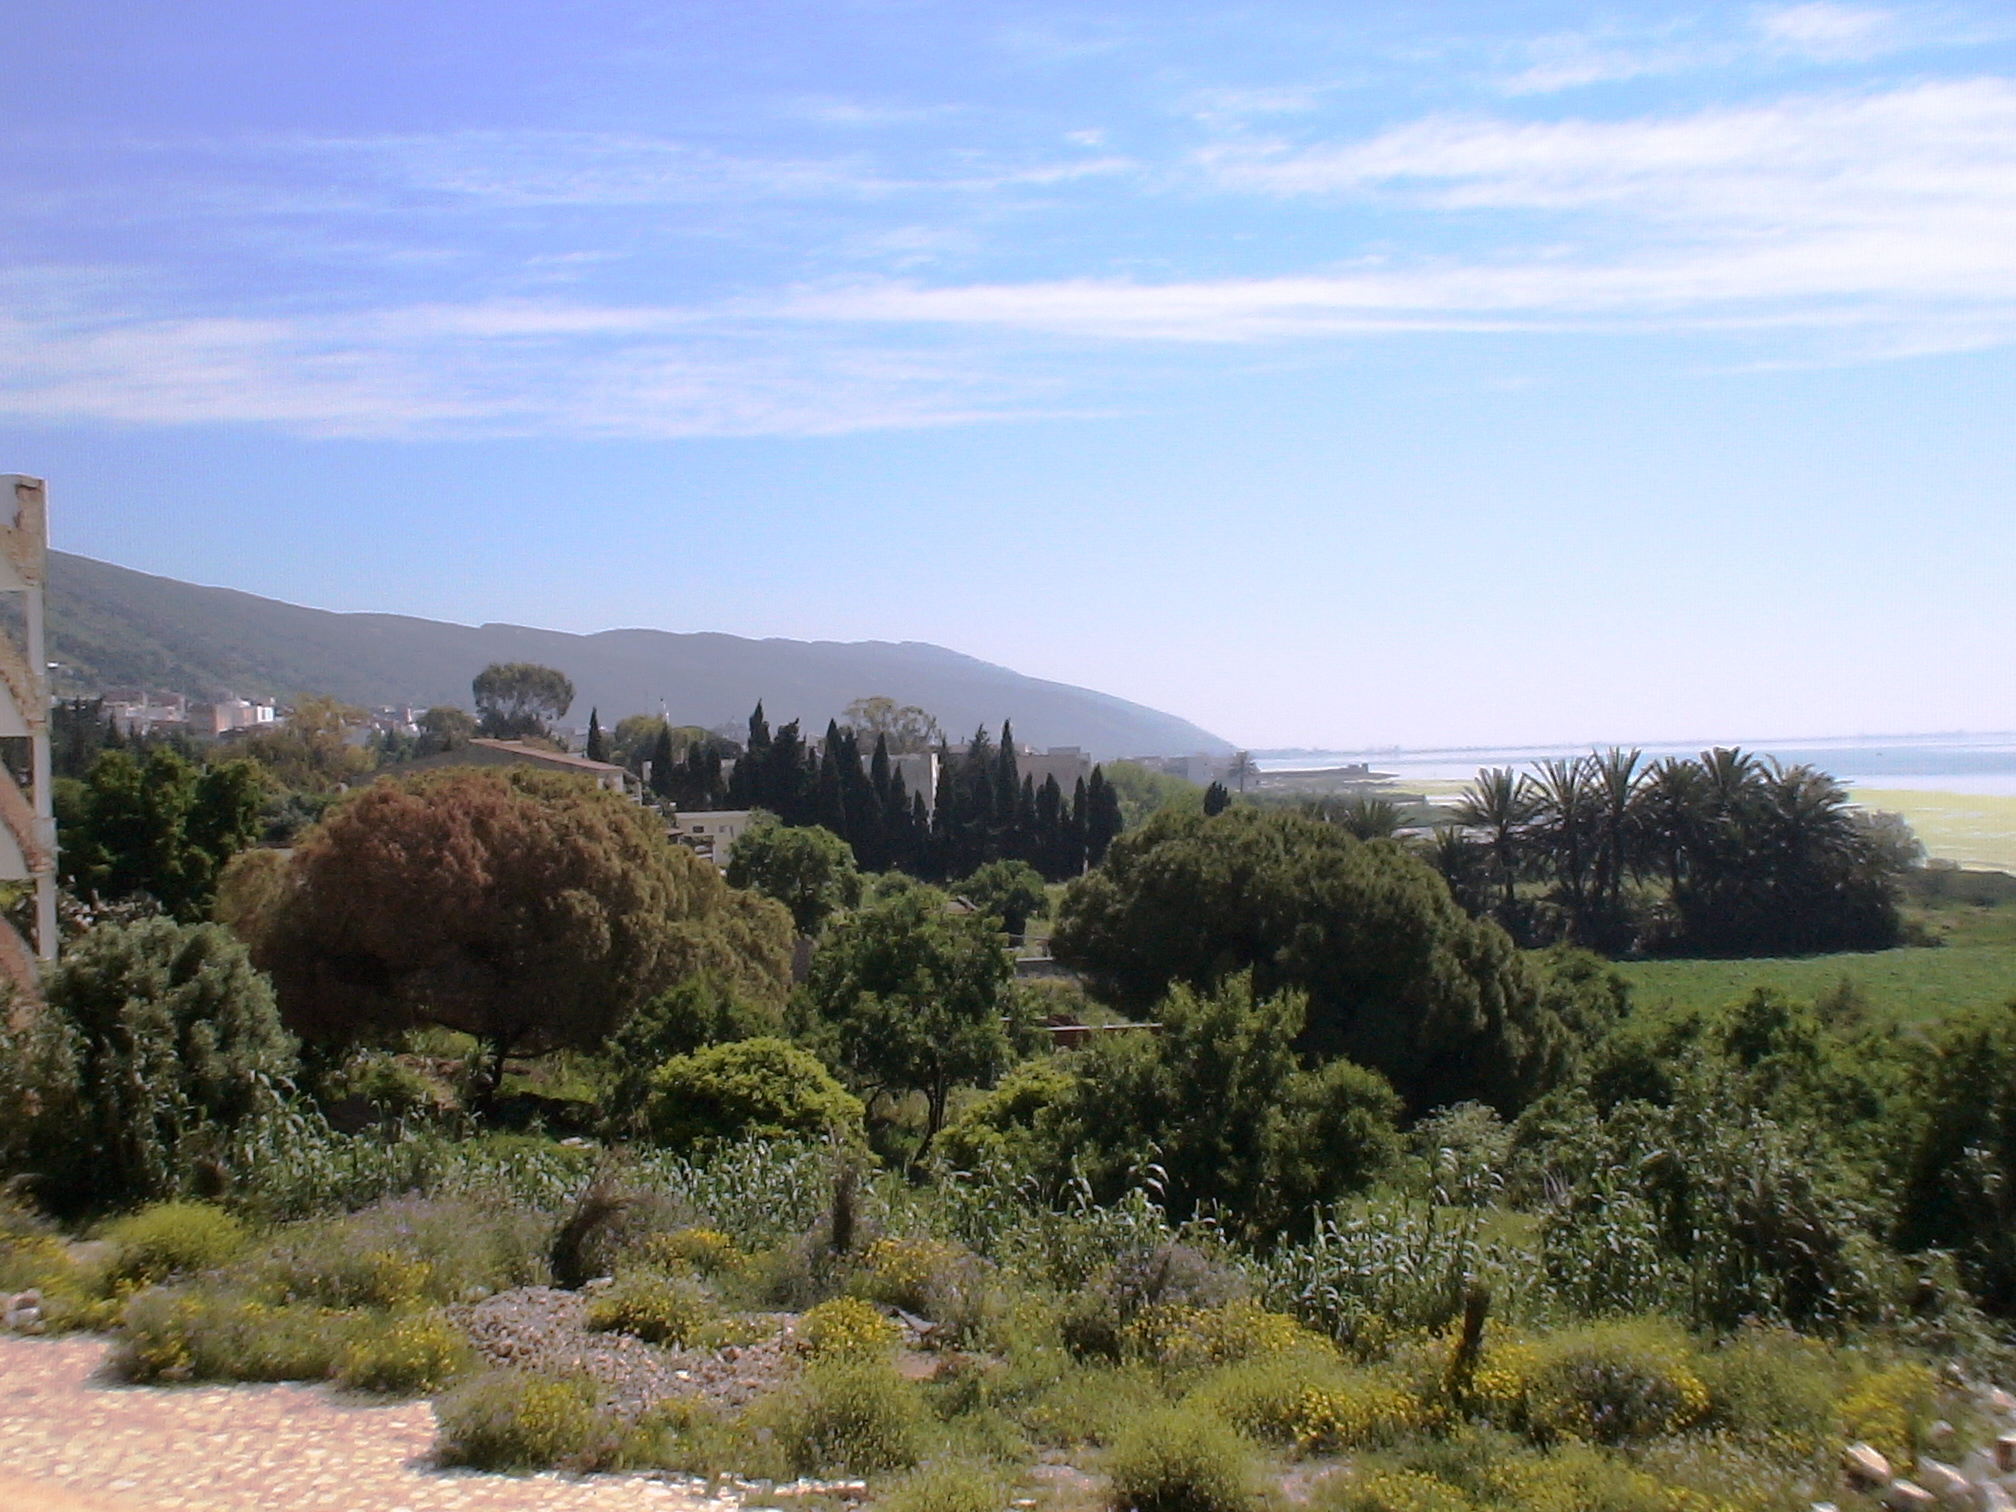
1433	376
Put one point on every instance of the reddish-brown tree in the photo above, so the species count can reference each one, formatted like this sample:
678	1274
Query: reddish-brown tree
530	909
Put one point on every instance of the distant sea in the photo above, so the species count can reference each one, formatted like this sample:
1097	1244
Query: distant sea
1972	764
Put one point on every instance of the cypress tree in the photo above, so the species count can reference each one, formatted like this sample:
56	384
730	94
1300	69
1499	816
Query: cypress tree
1049	830
664	765
746	785
1007	784
1072	858
598	748
784	784
829	801
1022	834
1104	822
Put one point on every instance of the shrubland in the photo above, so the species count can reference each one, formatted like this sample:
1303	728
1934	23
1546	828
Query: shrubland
1327	1191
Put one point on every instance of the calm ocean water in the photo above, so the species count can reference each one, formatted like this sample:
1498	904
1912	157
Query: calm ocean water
1975	764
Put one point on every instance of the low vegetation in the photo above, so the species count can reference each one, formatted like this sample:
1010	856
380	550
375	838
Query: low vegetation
1323	1190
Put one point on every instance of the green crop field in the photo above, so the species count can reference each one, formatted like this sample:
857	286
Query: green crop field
1910	985
1974	829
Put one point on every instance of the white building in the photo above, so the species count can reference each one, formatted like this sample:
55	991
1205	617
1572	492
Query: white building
712	832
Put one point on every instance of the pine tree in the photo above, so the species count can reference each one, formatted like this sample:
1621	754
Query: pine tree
598	748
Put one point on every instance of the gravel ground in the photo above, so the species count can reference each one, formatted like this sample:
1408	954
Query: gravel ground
541	1328
73	1441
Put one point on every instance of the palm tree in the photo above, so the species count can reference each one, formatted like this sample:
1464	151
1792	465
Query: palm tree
1616	779
1564	819
1500	803
1242	766
1367	817
1672	804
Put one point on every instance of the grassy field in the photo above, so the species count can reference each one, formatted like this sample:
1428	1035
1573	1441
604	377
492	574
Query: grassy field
1975	830
1910	985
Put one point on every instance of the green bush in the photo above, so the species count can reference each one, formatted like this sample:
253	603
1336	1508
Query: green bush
173	1041
1771	1383
510	1420
204	1334
656	1308
957	1485
1081	1405
405	1252
1309	1401
1390	1491
850	1415
403	1353
1614	1383
762	1088
847	1328
1179	1460
171	1239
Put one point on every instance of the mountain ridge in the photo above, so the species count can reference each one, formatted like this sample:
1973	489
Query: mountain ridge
112	626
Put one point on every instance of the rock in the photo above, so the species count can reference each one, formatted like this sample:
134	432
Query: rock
1864	1465
1908	1496
1940	1433
2000	1401
1947	1484
2005	1453
1993	1498
23	1312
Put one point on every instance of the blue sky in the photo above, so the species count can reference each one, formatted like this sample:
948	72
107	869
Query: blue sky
1329	374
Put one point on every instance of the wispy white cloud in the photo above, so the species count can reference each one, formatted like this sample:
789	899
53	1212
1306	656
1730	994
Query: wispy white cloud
1831	32
491	369
1862	224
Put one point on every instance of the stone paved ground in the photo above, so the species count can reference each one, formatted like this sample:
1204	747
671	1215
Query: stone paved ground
71	1441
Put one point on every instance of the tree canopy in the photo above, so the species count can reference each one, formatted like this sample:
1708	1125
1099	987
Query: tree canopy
809	870
156	825
520	698
1398	977
912	997
531	909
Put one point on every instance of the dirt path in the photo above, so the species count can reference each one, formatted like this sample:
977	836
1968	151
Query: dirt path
72	1442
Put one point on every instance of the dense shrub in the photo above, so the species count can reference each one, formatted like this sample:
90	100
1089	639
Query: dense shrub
402	1354
1614	1383
213	1334
847	1328
510	1420
403	1252
684	1018
171	1239
1180	1460
952	1485
761	1088
1959	1157
157	1041
1308	1401
848	1414
655	1308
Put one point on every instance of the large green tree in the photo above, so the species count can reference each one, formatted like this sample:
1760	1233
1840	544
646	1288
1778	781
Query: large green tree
158	826
520	698
1398	977
531	909
808	869
911	999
